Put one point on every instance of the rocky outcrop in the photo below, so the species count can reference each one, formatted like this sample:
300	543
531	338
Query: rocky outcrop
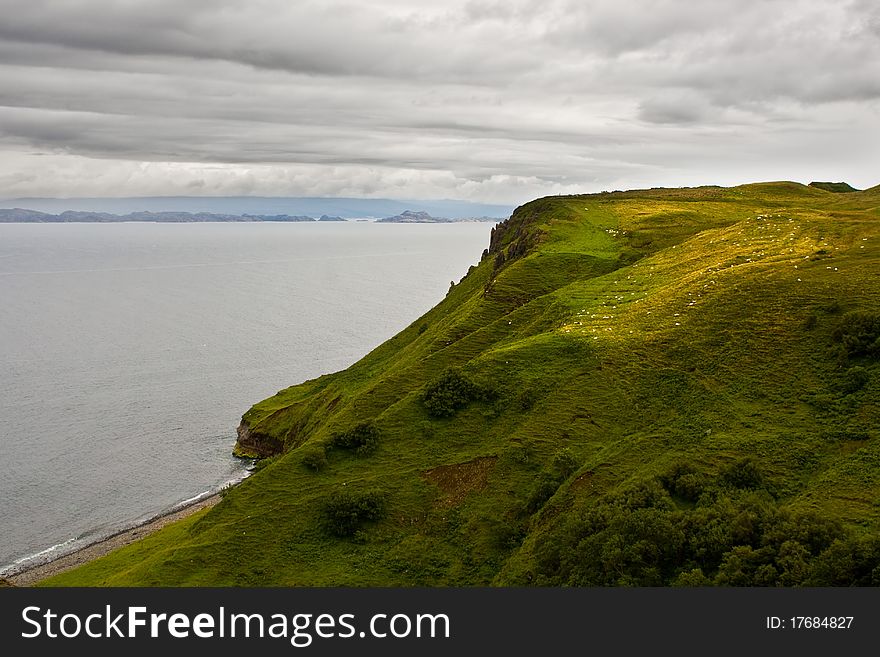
515	237
254	445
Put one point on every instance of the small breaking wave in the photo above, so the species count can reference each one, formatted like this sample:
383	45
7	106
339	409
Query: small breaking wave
52	552
192	500
83	541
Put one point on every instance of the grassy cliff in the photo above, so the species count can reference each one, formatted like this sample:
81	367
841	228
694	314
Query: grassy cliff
667	386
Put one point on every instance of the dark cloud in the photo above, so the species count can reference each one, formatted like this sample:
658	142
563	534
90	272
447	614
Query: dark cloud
479	99
678	106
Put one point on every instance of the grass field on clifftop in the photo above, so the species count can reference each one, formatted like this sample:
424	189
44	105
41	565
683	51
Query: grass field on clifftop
657	387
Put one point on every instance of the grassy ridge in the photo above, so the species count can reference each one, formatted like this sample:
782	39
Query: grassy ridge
605	341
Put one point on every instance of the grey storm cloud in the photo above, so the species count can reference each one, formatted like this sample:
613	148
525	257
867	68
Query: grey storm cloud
489	100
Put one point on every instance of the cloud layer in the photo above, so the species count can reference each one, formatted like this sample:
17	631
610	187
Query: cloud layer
480	100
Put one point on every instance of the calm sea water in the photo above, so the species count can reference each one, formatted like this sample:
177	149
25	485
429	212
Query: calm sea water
128	352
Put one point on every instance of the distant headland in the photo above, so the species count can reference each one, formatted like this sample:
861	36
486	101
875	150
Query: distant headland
422	217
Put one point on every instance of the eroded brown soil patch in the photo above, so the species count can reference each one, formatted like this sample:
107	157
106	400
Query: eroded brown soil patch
456	481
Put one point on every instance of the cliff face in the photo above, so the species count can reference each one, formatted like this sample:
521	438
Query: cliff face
652	387
254	445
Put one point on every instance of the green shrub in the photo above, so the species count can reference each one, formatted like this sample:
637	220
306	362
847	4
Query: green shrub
743	474
449	393
850	561
854	379
685	482
527	399
346	510
544	489
564	463
639	537
691	486
315	458
730	537
521	455
693	577
563	466
362	439
859	334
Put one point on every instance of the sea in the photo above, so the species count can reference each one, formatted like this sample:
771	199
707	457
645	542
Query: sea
129	352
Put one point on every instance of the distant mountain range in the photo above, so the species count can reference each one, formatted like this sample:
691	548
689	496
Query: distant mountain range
242	207
21	215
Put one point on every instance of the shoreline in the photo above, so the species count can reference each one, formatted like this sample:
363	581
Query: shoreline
31	575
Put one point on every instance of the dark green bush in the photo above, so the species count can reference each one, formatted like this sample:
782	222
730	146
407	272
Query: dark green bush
449	393
693	577
691	486
527	399
545	488
730	537
685	482
315	458
521	454
859	334
362	438
854	379
562	467
347	510
850	561
743	474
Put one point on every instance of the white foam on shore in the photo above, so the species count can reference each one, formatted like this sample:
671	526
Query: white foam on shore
45	556
81	542
192	500
41	553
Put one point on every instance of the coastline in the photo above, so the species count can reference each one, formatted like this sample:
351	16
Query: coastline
43	570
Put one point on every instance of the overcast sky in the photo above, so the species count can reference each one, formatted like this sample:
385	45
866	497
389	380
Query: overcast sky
484	100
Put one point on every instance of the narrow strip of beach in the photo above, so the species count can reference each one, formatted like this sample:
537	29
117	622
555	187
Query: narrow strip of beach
40	571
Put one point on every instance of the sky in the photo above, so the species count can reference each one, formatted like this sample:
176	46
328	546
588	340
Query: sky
480	100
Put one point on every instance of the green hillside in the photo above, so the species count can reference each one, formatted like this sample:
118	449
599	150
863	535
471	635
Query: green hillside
658	387
839	187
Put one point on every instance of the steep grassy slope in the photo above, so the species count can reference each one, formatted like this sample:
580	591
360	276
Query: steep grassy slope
648	387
